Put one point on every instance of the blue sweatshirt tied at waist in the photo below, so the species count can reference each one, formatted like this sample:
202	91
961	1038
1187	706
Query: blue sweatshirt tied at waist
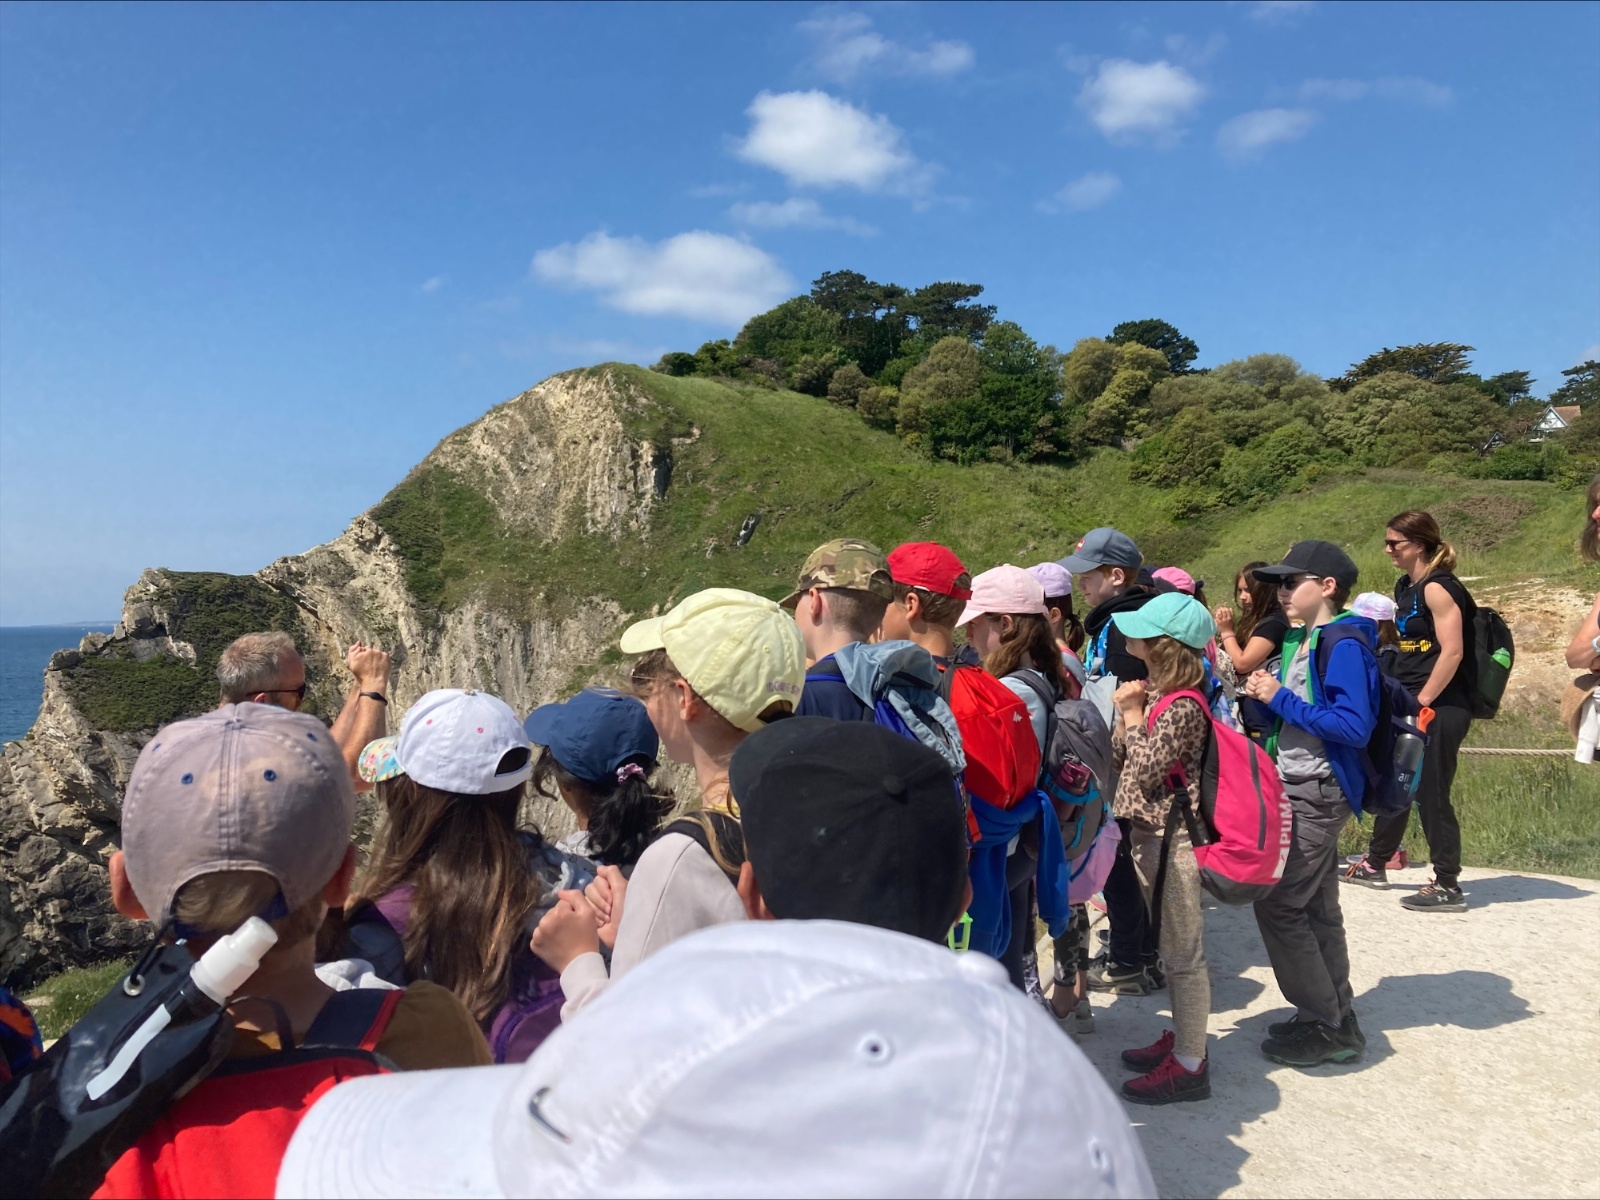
991	903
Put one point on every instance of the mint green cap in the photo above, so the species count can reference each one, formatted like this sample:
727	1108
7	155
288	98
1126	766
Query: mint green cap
1171	614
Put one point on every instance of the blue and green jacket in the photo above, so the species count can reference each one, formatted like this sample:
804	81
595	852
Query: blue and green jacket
1342	709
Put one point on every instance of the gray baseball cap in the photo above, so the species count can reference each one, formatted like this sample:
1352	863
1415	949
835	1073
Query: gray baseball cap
1103	547
248	787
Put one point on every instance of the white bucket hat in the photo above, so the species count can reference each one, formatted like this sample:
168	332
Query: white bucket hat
757	1058
453	739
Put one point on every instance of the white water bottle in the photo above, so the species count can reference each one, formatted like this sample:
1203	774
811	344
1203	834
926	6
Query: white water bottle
1588	728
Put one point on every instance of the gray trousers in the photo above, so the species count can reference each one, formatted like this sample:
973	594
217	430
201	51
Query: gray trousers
1300	921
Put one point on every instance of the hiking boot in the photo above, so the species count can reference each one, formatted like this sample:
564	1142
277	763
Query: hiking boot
1118	979
1310	1044
1363	872
1293	1027
1079	1022
1436	898
1350	1031
1147	1058
1155	971
1170	1083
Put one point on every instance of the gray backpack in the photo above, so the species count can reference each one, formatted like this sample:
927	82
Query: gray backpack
1076	771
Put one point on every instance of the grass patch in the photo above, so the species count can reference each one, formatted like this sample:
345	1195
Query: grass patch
206	609
1536	815
60	1001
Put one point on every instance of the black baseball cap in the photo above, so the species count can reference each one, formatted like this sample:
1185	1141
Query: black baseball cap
1322	559
849	821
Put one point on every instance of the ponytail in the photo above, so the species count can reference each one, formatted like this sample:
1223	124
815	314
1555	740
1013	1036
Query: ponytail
624	813
1421	528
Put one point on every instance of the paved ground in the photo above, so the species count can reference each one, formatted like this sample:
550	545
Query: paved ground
1482	1071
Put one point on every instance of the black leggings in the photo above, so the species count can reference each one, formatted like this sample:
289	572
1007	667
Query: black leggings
1133	940
1439	823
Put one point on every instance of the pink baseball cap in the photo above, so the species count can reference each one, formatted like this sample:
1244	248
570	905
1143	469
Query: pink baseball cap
1177	577
1004	589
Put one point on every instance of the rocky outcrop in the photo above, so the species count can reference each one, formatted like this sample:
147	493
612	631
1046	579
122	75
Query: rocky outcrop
555	463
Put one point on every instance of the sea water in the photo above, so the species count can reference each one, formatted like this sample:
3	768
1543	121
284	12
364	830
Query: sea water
25	651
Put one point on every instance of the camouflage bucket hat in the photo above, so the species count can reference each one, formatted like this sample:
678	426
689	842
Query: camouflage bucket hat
848	563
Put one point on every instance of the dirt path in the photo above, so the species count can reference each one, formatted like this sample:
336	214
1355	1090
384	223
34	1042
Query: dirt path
1482	1071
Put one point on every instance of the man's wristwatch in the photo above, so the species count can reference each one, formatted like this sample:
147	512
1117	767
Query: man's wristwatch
378	696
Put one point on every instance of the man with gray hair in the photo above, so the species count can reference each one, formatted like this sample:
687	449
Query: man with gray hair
265	668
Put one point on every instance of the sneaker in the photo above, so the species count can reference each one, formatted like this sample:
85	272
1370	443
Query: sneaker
1350	1031
1436	898
1363	872
1147	1058
1398	861
1079	1022
1310	1044
1170	1083
1119	980
1293	1027
1156	972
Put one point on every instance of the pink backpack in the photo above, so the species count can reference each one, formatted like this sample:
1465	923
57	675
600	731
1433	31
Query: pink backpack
1242	838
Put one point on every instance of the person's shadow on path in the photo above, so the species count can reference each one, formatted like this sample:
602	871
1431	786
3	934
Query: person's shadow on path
1510	889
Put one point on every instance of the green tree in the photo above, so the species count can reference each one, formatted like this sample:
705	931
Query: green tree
1432	362
812	374
794	330
879	406
676	362
1180	351
951	372
946	310
1190	450
1509	386
1119	411
1582	385
716	358
871	322
1087	372
848	382
1269	465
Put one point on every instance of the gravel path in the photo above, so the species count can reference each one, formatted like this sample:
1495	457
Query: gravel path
1482	1070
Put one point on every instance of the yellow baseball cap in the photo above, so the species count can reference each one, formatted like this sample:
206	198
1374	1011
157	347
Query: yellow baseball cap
739	651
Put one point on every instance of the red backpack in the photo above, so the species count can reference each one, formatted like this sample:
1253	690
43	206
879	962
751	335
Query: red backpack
1242	834
227	1136
996	735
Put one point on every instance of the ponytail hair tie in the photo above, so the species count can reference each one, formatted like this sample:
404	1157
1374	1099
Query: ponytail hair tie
628	771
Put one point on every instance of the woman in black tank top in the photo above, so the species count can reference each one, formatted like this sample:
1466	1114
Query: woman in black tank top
1433	617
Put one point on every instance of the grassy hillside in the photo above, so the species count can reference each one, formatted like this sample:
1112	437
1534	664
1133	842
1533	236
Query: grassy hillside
813	471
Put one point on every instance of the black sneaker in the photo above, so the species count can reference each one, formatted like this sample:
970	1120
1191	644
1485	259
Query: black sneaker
1436	898
1156	972
1363	872
1119	980
1310	1045
1293	1027
1350	1031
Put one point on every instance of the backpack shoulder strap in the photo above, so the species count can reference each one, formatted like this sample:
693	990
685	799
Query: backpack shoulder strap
1039	685
1167	701
729	834
827	669
947	679
353	1020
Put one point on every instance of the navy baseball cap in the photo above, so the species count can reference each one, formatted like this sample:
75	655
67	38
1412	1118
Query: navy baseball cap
594	732
1103	547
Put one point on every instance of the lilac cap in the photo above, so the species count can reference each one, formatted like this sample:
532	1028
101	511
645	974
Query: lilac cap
1004	589
1054	578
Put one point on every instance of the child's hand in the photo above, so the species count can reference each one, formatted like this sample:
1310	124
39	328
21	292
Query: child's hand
1130	697
1224	619
1261	686
613	886
567	930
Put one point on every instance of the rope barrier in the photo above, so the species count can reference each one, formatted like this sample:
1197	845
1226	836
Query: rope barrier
1516	753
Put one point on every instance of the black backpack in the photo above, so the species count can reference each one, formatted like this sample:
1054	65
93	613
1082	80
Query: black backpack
1490	654
728	853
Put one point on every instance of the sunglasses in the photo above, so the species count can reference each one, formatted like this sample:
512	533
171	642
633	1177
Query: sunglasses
1294	581
1391	543
299	693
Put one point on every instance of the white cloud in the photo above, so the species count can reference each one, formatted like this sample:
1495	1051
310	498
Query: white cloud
1085	192
430	286
817	140
1248	134
1408	89
1126	99
705	276
1193	50
796	213
848	46
1592	354
1278	12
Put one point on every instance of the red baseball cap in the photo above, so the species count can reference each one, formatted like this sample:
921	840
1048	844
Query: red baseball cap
932	566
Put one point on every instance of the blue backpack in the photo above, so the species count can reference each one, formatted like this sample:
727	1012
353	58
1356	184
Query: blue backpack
1385	797
898	683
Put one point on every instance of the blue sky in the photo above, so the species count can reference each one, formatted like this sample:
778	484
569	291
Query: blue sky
256	261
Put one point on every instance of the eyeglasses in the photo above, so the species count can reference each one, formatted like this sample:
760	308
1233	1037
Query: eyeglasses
299	693
1391	543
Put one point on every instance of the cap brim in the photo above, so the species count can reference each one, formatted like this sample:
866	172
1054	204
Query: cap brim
1281	571
541	724
969	612
792	600
1076	564
412	1133
376	751
1136	625
642	637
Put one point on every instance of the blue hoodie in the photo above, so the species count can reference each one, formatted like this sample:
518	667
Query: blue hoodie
1343	711
991	907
